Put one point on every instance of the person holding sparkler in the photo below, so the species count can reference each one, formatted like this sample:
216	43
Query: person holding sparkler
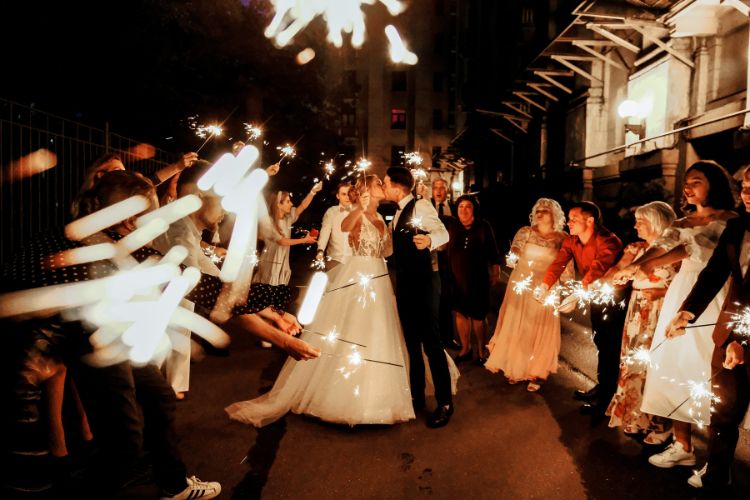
417	230
361	376
730	360
593	250
187	232
332	241
642	314
526	343
112	161
273	264
708	200
474	262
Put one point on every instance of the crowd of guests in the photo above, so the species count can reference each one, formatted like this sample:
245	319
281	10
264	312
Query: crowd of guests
670	354
666	327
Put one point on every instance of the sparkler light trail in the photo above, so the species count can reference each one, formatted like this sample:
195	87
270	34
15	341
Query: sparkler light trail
398	51
523	285
341	16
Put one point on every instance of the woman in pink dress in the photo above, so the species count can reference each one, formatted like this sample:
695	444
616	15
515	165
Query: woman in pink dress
526	342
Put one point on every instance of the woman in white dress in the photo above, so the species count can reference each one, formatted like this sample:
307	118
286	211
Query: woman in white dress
273	263
708	199
361	376
526	342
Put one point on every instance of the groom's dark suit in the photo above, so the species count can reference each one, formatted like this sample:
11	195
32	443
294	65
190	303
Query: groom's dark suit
731	386
415	282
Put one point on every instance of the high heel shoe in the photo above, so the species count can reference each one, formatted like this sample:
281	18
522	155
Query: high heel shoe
464	357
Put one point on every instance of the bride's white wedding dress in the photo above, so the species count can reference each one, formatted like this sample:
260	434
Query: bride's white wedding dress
362	374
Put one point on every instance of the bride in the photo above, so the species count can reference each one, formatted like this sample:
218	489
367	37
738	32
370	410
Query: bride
361	376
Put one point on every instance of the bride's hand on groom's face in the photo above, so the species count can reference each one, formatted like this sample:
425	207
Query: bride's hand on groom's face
422	241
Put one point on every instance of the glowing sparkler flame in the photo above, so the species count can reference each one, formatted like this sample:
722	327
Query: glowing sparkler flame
332	335
253	131
329	168
287	151
523	285
511	259
204	131
292	16
740	322
398	51
413	158
362	165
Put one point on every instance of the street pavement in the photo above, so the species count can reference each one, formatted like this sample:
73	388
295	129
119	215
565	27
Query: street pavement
502	442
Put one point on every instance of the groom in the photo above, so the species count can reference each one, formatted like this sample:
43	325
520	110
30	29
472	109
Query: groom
415	282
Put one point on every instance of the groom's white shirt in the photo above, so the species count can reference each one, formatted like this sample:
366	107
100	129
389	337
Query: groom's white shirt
430	220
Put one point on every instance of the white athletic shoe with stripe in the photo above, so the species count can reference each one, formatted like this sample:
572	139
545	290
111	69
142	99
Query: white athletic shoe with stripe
196	489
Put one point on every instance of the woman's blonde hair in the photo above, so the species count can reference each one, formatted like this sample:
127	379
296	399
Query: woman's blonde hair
274	202
558	216
657	213
362	185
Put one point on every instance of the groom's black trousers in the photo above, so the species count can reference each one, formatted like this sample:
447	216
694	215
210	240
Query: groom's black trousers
419	319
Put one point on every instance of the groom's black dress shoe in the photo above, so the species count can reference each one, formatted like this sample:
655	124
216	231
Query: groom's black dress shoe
595	409
589	395
441	417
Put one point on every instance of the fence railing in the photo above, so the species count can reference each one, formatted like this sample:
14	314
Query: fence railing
37	202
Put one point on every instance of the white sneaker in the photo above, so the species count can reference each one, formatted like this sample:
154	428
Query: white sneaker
196	489
675	454
696	480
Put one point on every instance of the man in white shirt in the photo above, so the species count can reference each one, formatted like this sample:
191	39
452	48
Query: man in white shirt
332	241
417	230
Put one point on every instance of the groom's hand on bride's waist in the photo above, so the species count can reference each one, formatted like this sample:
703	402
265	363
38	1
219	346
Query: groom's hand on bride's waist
422	241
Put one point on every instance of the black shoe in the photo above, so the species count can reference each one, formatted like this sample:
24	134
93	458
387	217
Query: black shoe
452	344
440	417
589	395
418	405
464	357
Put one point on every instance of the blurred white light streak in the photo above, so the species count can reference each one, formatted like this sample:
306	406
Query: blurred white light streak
106	217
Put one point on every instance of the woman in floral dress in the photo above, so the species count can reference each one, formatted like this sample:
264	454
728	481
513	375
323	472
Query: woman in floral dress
643	312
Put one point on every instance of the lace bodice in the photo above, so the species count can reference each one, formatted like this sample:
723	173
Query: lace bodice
699	241
371	243
527	235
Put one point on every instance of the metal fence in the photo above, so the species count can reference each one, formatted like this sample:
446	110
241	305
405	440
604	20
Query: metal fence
37	202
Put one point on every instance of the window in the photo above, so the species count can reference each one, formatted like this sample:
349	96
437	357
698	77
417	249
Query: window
527	16
437	119
451	120
437	81
398	118
398	81
397	155
348	120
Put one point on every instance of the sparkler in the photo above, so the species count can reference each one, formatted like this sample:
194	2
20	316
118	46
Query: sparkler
368	294
332	336
319	264
207	132
362	165
398	51
413	158
292	16
253	131
287	151
329	168
523	285
511	259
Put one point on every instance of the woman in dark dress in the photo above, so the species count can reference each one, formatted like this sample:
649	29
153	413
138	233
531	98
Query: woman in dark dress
474	264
